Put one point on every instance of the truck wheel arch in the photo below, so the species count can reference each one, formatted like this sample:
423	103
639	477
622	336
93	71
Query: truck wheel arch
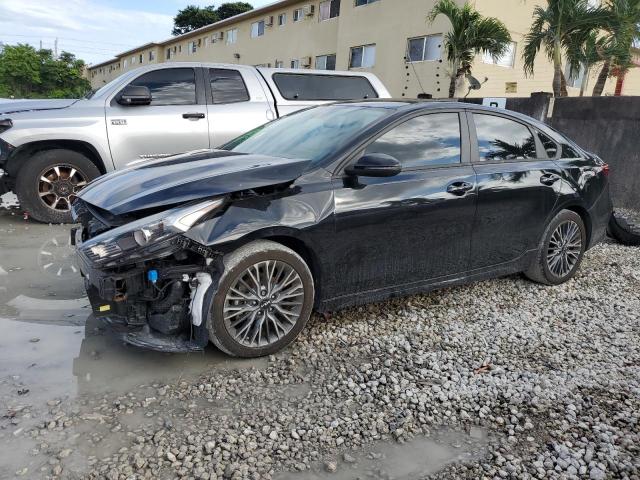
23	152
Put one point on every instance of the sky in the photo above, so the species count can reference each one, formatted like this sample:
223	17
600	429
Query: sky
94	30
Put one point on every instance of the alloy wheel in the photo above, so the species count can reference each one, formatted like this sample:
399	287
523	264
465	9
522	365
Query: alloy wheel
565	247
59	185
264	303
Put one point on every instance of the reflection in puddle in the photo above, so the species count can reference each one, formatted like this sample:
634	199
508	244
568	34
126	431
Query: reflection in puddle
411	460
64	360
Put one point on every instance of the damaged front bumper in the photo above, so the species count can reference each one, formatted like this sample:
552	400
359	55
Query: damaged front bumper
159	303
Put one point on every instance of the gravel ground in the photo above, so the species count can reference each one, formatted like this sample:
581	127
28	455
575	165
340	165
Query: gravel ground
499	379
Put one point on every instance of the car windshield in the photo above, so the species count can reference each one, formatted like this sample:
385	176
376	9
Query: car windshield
312	134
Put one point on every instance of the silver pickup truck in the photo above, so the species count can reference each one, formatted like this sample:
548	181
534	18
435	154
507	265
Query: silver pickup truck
50	149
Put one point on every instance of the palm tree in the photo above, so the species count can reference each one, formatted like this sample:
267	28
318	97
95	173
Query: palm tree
584	56
471	34
622	30
557	29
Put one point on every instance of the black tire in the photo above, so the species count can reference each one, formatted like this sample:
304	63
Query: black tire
623	230
28	179
236	263
540	271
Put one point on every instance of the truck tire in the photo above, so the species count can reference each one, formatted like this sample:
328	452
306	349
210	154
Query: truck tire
623	230
48	183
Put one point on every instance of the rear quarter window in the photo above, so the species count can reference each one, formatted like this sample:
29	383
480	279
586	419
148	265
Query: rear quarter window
293	86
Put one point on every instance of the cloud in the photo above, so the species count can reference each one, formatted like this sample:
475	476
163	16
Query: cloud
93	31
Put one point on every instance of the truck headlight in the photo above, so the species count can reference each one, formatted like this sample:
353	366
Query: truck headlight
148	235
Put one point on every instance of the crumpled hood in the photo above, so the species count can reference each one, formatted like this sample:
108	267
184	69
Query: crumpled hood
187	177
17	106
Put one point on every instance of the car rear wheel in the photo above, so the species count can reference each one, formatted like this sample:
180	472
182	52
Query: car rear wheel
264	300
49	181
560	251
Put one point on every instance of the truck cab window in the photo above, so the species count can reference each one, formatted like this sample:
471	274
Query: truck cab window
170	86
227	86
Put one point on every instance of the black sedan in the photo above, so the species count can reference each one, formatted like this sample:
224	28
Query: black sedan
331	207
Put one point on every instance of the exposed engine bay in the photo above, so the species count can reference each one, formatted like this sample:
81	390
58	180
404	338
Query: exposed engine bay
151	284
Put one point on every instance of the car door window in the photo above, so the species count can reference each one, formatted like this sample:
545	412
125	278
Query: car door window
227	86
503	140
423	141
170	86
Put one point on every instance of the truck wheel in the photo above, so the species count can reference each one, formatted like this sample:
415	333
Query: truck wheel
49	181
263	300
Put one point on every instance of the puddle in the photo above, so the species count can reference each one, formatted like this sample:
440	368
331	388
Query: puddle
414	459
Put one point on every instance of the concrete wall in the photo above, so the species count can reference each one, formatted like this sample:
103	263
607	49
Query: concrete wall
607	126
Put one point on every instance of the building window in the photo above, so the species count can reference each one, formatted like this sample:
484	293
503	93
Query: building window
282	19
427	48
180	48
232	36
141	58
326	62
506	60
574	79
124	63
168	55
364	2
364	56
152	56
329	9
298	14
295	63
257	29
279	64
192	47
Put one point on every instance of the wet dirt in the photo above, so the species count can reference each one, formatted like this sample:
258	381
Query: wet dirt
53	350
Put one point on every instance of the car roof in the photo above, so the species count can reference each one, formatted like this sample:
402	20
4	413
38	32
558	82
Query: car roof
411	105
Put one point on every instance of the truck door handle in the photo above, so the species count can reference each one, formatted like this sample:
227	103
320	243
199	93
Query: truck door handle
549	178
196	115
459	188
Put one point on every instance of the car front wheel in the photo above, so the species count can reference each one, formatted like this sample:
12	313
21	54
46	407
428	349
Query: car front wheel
263	301
560	251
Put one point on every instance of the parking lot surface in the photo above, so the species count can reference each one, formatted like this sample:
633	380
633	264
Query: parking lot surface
504	378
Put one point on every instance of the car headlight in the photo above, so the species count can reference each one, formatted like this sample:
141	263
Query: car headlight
149	235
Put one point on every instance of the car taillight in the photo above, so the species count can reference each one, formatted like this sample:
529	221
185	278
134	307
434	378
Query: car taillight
606	169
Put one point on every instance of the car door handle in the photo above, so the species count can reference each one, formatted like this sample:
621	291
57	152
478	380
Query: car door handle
549	178
459	188
196	115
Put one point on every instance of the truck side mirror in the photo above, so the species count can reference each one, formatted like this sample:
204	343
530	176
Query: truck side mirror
135	95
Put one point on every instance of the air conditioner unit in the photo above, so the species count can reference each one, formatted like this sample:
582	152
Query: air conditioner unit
309	10
305	61
268	21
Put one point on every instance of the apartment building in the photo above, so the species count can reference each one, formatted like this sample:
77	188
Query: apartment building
390	38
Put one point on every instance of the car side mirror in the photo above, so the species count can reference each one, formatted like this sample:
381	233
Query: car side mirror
375	165
135	95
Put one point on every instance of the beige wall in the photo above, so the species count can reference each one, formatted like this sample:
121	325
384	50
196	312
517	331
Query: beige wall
387	23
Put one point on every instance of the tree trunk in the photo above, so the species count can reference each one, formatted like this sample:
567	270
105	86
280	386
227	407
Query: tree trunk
563	85
620	84
602	79
452	85
557	72
585	79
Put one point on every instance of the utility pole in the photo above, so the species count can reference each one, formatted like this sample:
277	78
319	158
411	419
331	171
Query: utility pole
55	48
40	44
